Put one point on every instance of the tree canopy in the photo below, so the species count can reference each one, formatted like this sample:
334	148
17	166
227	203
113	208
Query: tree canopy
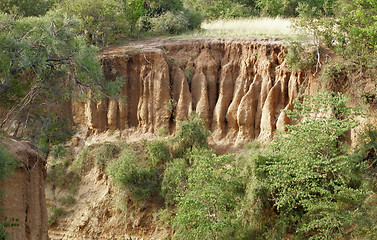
44	61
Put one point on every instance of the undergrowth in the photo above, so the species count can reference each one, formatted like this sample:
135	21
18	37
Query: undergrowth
270	192
7	165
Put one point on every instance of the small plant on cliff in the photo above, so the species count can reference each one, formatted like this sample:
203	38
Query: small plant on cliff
191	134
158	153
105	152
299	58
7	163
174	180
141	182
56	213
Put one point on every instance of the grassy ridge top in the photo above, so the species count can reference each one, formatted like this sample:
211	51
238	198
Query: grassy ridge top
249	27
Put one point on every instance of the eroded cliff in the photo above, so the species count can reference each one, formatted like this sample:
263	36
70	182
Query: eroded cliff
238	86
23	196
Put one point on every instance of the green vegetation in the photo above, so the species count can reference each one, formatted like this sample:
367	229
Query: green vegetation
205	206
304	185
61	173
56	213
141	182
7	164
37	55
192	134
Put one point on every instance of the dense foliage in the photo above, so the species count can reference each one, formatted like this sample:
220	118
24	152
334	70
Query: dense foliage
349	28
205	207
26	8
44	61
307	174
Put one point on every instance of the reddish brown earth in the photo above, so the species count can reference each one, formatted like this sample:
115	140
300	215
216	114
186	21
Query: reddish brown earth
24	193
238	86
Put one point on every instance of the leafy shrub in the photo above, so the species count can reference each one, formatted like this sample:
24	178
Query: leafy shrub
158	152
83	161
299	58
56	213
58	151
7	163
68	200
290	8
141	182
60	175
213	9
26	8
191	134
365	158
174	180
350	32
106	152
213	190
306	171
169	23
102	21
255	211
194	19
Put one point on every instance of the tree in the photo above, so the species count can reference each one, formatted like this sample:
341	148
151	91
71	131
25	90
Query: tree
213	190
307	170
350	29
133	10
102	21
42	61
26	8
290	8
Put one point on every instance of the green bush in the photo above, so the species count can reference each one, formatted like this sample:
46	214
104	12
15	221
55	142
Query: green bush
68	200
307	172
174	180
255	211
141	182
58	151
350	31
194	19
292	8
206	206
26	8
191	134
56	213
299	58
213	9
169	23
158	152
102	21
106	152
83	161
59	175
7	163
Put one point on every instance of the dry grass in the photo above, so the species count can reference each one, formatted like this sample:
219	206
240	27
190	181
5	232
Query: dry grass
256	27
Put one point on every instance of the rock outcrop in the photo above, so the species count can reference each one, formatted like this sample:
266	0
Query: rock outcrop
238	86
23	196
